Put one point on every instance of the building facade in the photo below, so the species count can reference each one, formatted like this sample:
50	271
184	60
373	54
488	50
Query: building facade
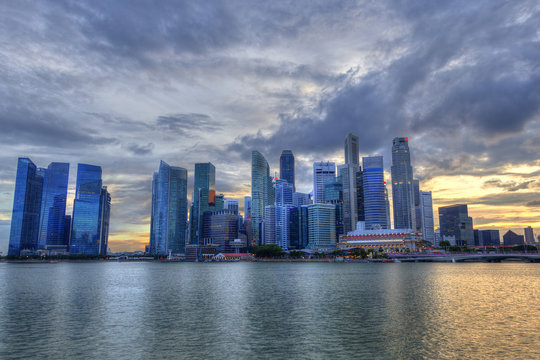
402	185
454	220
286	167
321	226
374	193
529	235
352	149
348	174
284	192
426	217
204	193
322	173
91	212
261	185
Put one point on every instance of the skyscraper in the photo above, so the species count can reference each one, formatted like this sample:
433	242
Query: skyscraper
417	210
322	226
333	194
351	149
169	210
286	167
454	220
260	187
402	185
269	225
426	216
53	207
24	232
247	207
374	193
300	199
529	235
322	173
220	227
89	230
231	204
284	192
286	226
348	174
204	194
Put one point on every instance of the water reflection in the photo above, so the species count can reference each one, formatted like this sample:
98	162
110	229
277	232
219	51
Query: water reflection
269	310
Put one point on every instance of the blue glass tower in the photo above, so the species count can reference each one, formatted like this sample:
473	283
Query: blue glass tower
169	210
374	193
286	167
204	194
284	192
24	232
87	232
260	194
53	206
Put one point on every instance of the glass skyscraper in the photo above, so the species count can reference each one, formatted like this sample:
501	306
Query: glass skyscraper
348	174
454	220
286	167
24	232
351	149
53	207
169	210
322	173
402	185
374	193
204	195
91	211
284	192
261	188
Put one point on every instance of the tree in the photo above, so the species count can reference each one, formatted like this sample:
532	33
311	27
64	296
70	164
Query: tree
268	250
444	244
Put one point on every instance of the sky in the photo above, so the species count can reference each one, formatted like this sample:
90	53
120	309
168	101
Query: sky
125	84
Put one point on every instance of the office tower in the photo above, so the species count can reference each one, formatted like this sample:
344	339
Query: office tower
322	173
333	194
361	216
286	167
231	204
90	221
247	207
387	204
24	232
269	225
513	239
529	235
321	226
67	230
417	210
260	188
454	220
351	149
204	195
220	228
286	226
303	227
487	238
300	199
426	216
374	193
53	207
402	185
349	174
284	193
169	210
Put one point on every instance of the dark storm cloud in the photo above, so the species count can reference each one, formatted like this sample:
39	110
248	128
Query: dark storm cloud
141	149
186	123
534	203
504	199
468	85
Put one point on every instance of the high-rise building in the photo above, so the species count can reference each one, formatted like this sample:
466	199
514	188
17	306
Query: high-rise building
300	199
402	185
91	211
231	204
204	196
348	173
286	226
333	194
387	202
321	226
53	207
454	220
220	227
426	216
284	192
322	173
169	210
247	207
360	203
417	210
24	233
374	193
351	149
286	167
269	225
303	227
529	235
261	186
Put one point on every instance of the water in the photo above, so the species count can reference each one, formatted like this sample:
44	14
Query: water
269	311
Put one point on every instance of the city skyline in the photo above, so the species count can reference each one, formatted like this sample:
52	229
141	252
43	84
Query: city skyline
79	88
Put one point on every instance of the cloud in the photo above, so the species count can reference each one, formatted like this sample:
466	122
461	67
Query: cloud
141	149
508	186
185	124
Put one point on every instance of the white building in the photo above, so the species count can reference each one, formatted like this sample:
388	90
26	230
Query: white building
322	173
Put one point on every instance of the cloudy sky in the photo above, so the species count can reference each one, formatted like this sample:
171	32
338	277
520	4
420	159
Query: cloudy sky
124	84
